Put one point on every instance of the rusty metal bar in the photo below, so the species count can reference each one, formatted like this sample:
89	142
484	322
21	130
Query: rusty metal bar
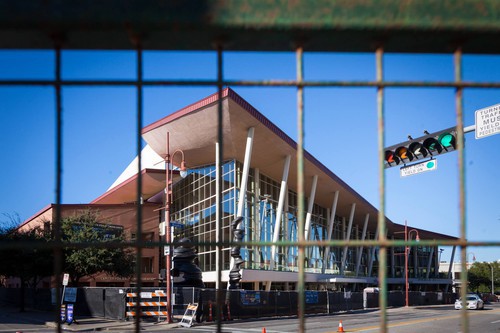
335	26
137	319
382	270
308	243
263	83
59	141
220	142
461	183
300	188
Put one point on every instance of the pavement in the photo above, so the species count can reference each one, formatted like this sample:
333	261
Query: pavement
82	324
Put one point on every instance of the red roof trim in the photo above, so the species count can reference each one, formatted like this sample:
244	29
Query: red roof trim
32	217
186	110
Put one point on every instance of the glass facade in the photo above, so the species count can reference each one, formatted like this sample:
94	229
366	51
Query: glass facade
194	206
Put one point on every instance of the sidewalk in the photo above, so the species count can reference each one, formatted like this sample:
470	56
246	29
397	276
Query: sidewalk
84	324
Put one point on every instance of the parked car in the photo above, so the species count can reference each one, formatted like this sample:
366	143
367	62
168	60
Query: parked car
473	302
487	298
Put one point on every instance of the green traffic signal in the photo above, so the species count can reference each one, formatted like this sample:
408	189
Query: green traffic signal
447	140
432	145
417	149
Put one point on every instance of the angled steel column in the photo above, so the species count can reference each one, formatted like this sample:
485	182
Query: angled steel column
347	237
415	262
331	223
310	206
363	235
372	254
429	263
393	261
238	232
246	168
279	213
450	267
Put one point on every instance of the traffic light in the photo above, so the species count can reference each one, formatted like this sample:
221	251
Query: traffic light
426	146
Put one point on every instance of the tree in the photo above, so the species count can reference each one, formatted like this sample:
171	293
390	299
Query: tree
88	260
25	255
480	276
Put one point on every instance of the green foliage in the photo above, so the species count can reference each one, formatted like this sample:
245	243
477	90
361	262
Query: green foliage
25	254
103	254
479	276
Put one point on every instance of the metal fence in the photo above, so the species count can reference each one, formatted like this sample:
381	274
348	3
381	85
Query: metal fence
378	27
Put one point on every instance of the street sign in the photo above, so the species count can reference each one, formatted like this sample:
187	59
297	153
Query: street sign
176	225
70	295
418	168
488	121
65	279
162	228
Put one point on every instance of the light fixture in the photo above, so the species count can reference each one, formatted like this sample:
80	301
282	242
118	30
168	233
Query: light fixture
183	170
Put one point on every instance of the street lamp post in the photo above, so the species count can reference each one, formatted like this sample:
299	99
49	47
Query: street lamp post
492	280
467	256
168	238
407	251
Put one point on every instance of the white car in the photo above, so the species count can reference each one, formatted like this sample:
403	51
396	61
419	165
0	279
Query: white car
473	302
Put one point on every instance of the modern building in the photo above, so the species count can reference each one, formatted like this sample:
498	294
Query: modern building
259	184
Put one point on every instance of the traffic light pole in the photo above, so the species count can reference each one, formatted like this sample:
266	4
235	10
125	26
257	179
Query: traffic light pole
470	128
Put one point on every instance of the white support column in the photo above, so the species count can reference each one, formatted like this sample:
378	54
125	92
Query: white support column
429	263
331	223
372	255
246	168
218	227
363	235
244	181
310	207
347	237
279	213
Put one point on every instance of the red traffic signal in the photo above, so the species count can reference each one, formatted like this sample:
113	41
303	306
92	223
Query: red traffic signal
417	149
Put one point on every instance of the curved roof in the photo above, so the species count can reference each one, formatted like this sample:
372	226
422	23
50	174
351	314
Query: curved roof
193	129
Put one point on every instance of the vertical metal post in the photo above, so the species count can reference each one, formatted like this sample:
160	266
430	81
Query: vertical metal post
407	249
168	236
220	140
382	268
139	181
492	280
57	220
218	227
300	185
461	182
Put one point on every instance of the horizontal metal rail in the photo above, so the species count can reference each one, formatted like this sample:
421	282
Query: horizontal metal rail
264	83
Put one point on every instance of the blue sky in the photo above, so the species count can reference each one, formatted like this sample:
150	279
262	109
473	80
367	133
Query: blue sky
340	127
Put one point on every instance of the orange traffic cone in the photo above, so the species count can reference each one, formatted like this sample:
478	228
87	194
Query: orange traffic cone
263	330
341	328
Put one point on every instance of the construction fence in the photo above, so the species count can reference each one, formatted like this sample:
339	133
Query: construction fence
119	303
